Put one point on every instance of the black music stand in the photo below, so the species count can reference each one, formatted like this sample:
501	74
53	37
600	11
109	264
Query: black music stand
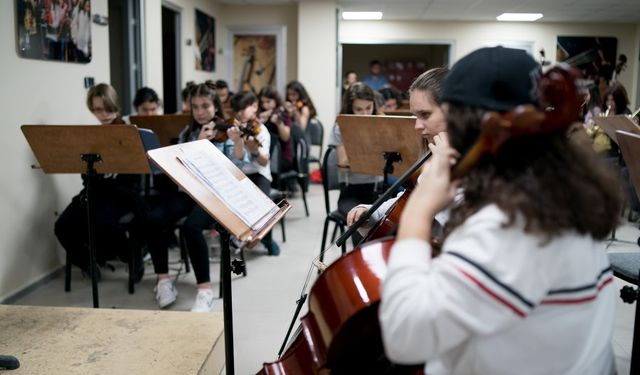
166	127
228	222
374	144
88	150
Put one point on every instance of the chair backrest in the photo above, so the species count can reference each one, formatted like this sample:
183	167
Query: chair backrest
315	132
275	153
329	172
150	141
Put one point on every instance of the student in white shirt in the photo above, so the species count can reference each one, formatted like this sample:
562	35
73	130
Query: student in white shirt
523	284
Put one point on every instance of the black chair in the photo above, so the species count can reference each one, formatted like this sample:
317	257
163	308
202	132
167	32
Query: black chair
626	266
276	195
315	136
300	172
329	170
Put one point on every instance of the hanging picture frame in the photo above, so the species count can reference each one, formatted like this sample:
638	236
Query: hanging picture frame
256	56
205	42
57	30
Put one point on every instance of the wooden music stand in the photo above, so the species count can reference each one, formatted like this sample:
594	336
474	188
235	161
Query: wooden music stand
374	143
88	150
399	112
227	221
166	127
611	124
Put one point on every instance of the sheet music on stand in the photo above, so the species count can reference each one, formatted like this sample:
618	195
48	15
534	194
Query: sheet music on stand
240	196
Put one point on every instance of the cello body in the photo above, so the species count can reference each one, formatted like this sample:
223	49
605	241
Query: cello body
340	333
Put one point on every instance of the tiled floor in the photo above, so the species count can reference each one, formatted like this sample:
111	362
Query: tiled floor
264	301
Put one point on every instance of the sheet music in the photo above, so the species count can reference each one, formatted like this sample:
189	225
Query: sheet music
242	197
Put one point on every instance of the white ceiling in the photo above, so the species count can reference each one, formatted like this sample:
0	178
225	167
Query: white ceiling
627	11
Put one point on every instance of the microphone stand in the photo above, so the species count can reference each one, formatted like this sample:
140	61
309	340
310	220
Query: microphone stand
381	199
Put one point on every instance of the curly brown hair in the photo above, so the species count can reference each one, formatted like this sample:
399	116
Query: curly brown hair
556	184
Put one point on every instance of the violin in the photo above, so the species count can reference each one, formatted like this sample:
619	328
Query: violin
340	334
251	129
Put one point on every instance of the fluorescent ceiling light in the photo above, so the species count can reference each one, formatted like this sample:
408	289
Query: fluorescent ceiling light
519	16
362	15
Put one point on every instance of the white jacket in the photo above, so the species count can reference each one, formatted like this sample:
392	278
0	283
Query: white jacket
500	301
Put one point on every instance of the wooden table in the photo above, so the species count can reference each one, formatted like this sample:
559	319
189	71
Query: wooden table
55	340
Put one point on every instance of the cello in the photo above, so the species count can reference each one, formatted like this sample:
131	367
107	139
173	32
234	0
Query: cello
340	334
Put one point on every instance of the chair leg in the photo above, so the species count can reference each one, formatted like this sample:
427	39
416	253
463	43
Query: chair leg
132	271
67	273
335	232
183	251
304	196
325	229
284	236
244	272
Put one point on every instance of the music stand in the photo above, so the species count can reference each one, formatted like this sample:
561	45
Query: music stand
611	124
375	143
399	112
227	222
88	150
166	127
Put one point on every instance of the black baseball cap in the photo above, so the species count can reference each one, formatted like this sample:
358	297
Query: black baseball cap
496	79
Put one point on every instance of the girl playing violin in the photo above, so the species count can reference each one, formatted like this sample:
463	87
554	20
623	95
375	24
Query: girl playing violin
278	122
355	188
523	282
424	102
205	111
299	104
254	148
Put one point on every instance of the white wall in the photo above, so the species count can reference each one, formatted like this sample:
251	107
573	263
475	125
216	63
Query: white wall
317	57
37	92
153	41
468	36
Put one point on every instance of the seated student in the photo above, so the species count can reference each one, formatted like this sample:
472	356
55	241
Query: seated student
277	120
299	104
424	99
255	148
391	99
186	96
350	78
222	90
146	103
355	188
205	110
523	261
113	196
376	78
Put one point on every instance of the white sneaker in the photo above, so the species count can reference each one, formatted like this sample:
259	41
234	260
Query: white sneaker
204	301
166	293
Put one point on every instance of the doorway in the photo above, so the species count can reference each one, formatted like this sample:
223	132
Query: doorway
401	63
170	57
125	46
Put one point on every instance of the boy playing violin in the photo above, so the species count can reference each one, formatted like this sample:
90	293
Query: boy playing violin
523	283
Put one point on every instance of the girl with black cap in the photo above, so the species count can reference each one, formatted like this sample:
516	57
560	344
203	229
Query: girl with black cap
523	283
